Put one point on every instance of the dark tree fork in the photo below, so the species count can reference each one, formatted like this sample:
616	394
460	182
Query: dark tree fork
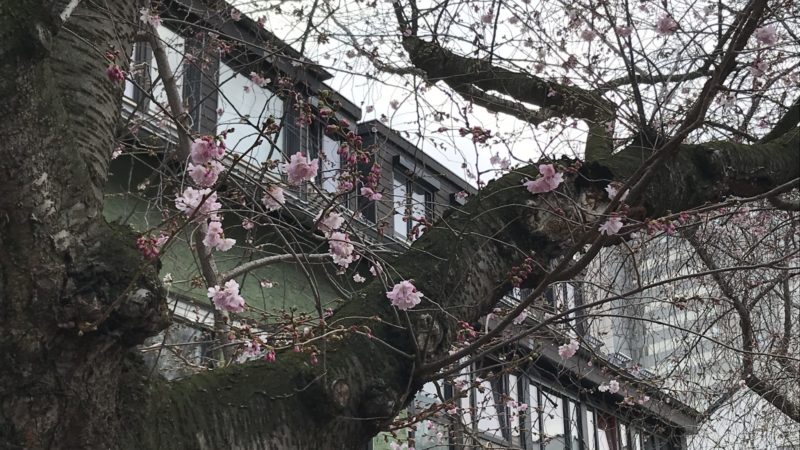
75	297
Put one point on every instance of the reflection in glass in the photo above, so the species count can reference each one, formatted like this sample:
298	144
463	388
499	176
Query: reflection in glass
489	408
607	438
552	422
574	425
636	437
535	414
242	103
590	427
623	437
400	205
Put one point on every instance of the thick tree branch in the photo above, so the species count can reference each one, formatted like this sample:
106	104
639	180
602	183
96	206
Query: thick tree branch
441	64
789	120
463	272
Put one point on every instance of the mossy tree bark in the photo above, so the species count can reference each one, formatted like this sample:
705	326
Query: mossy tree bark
75	297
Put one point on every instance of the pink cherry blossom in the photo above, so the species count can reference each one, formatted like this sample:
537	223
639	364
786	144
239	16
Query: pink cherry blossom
215	238
248	224
358	278
666	25
567	351
548	181
114	73
150	246
521	318
270	356
611	226
205	175
404	295
370	194
273	198
227	298
376	269
613	189
612	387
300	169
251	348
767	35
341	249
623	31
496	160
147	16
192	205
258	80
205	149
236	15
588	35
333	221
759	68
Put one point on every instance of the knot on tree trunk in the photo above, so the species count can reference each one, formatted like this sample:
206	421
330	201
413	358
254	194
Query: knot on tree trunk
109	288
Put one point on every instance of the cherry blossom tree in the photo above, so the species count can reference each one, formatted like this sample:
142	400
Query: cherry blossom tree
649	120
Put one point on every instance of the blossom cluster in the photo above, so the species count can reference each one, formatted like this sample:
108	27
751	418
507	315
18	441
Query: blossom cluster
300	169
227	298
404	295
549	180
567	351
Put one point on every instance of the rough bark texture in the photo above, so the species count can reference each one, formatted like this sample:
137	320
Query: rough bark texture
75	297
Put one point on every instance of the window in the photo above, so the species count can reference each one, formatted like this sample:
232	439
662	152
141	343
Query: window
590	438
411	202
330	164
552	411
623	437
174	46
366	208
244	107
135	59
607	434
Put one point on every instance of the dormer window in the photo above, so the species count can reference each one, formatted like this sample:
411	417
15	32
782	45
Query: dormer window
413	204
144	84
174	45
245	106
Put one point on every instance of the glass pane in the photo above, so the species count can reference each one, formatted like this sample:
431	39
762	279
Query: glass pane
418	208
514	405
574	424
400	206
590	430
534	412
243	103
636	437
130	89
174	46
490	408
607	432
552	422
330	164
623	437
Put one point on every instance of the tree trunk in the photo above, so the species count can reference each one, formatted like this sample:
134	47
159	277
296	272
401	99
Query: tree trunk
75	296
